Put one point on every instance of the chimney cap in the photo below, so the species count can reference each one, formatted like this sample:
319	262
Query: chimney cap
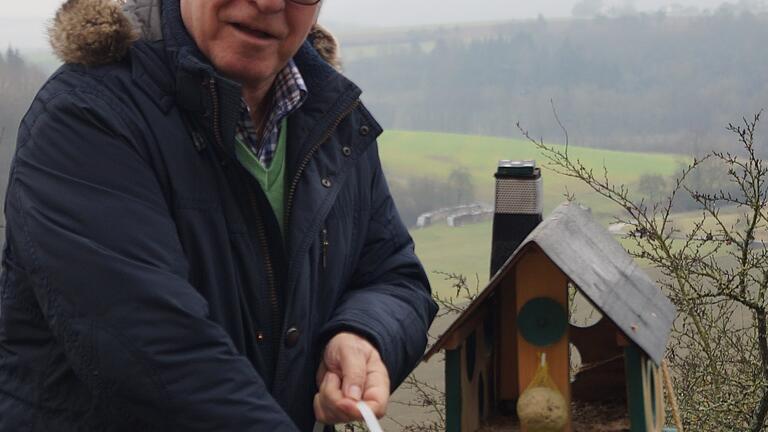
518	169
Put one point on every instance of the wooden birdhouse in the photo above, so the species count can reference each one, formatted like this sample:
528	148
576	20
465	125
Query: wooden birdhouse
494	348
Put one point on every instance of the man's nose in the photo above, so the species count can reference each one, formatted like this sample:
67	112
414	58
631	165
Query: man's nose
269	6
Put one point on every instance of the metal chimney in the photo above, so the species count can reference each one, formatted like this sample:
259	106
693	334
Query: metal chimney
518	208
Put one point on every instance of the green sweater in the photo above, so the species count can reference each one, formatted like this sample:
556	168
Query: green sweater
272	179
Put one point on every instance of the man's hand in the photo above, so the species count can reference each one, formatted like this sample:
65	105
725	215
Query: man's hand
351	370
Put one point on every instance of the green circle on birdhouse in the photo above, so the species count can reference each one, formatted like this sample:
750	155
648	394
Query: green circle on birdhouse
542	321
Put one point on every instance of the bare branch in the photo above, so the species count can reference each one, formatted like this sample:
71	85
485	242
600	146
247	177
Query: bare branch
715	269
560	123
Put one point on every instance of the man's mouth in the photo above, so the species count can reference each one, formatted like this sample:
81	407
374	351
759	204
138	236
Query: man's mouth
253	32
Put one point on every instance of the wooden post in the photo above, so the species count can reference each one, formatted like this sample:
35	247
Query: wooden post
536	276
635	401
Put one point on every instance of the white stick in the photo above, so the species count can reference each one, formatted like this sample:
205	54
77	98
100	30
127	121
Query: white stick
369	417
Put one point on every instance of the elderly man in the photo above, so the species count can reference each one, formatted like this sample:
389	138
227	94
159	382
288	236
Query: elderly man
199	232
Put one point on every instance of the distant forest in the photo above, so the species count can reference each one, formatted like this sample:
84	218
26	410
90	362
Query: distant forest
641	82
645	82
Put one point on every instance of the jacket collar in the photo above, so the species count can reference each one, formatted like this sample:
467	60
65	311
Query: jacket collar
97	32
170	69
329	92
319	75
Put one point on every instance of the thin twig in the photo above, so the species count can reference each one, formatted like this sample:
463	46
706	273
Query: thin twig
560	123
710	269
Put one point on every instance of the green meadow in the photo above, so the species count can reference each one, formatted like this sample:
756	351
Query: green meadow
466	250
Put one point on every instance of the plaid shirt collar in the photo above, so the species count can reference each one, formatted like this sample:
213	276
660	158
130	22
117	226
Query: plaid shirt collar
289	93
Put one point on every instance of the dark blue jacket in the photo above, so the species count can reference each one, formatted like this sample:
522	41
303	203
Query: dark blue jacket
145	284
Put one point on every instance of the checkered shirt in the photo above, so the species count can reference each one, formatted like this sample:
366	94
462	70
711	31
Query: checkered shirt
289	93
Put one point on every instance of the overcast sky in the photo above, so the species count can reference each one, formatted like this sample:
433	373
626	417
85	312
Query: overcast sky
22	22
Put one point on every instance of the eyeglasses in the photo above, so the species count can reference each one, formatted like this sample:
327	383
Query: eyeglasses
306	2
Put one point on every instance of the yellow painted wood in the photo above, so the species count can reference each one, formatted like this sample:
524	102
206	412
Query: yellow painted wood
536	276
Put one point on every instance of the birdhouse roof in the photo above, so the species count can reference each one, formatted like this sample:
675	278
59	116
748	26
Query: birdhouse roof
601	269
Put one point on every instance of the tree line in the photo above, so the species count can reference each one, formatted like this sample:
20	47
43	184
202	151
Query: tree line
644	82
417	195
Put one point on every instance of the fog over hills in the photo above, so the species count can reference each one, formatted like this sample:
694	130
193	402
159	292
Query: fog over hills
22	23
684	78
643	82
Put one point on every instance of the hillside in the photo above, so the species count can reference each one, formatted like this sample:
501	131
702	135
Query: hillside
406	155
466	250
648	82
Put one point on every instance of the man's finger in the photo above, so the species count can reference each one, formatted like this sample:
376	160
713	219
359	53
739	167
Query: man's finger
326	399
319	405
353	372
332	407
377	387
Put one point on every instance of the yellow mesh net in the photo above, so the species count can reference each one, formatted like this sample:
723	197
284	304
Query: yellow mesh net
541	407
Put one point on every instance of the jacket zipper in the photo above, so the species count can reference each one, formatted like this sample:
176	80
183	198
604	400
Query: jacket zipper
303	166
260	230
216	114
261	235
308	158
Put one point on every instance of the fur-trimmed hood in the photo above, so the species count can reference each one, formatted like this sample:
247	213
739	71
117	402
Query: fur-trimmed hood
96	32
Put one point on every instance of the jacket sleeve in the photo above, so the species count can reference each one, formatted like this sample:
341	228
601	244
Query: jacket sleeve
91	226
389	301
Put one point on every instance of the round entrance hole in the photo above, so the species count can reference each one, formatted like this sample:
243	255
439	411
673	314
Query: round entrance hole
583	313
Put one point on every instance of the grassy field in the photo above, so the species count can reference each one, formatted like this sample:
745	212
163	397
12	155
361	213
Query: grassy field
466	250
426	154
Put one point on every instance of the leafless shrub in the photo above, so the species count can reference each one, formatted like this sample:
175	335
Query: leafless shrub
715	271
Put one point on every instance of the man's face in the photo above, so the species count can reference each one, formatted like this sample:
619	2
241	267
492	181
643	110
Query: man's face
249	41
